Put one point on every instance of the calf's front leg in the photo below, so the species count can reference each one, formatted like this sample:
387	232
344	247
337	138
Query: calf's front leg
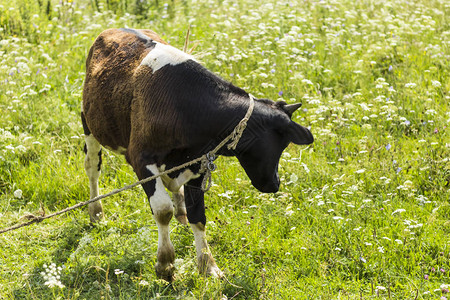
195	205
180	206
162	209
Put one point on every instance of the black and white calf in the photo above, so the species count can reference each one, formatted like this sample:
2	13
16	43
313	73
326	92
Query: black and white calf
160	108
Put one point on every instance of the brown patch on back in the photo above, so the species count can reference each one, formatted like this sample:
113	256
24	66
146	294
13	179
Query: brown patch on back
109	84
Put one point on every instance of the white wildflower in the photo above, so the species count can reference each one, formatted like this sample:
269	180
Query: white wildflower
305	167
143	282
435	83
52	276
294	178
227	194
18	193
118	271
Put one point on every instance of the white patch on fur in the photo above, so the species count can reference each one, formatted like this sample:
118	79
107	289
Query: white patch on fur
91	166
203	252
91	163
201	244
175	184
160	199
161	204
163	55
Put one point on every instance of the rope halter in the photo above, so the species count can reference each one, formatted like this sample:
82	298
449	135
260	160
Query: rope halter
208	165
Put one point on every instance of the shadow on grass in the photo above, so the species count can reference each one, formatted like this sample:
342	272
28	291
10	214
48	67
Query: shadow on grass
116	262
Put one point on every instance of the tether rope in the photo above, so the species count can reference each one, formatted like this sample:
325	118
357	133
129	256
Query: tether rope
206	167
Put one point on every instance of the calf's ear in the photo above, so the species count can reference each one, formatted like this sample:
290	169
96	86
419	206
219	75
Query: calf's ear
298	134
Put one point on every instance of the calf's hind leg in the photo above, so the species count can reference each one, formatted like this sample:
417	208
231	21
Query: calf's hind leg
92	165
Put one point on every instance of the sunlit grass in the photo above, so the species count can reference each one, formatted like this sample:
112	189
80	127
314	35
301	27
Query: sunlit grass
362	213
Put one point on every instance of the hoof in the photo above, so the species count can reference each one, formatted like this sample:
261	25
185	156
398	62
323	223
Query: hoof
182	219
165	272
215	272
208	266
97	218
95	210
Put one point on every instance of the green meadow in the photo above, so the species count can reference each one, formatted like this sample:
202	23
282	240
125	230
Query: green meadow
363	213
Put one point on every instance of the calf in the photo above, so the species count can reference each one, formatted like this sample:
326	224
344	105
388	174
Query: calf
160	108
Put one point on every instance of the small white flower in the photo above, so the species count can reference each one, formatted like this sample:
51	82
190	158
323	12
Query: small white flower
435	83
143	282
400	210
294	178
18	193
118	271
52	276
305	167
226	194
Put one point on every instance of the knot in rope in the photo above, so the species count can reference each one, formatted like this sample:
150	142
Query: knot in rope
207	167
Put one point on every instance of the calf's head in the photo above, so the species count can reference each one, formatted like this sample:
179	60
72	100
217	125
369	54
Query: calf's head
269	131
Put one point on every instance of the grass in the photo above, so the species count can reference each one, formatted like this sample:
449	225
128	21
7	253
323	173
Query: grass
363	213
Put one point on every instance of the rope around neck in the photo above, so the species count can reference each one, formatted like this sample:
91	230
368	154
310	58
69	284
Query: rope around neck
205	159
208	166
